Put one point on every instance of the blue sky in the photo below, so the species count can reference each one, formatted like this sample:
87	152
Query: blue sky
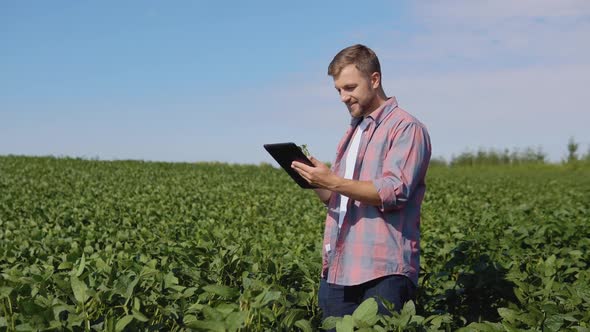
213	81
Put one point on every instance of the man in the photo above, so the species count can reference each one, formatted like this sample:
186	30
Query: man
373	193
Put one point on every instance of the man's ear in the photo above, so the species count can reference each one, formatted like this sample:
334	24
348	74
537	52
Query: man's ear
375	80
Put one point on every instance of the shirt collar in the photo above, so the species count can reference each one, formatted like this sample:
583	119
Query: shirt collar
379	114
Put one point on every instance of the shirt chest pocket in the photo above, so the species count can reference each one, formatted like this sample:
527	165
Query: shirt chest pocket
372	163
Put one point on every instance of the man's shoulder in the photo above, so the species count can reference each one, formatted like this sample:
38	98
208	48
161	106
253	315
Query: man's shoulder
400	118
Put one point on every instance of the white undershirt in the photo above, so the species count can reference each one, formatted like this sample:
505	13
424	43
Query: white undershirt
350	165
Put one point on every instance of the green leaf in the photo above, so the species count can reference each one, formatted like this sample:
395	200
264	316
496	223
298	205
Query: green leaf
304	325
121	323
366	312
508	314
81	267
409	308
221	290
266	297
345	325
550	308
65	266
195	307
130	288
170	280
54	325
330	322
304	149
80	290
139	316
136	303
212	314
24	327
550	266
580	328
236	320
59	308
102	266
5	291
207	325
292	316
520	295
437	320
417	319
508	327
482	327
407	312
554	323
227	308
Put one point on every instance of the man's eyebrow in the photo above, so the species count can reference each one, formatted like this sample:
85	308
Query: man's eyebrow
351	85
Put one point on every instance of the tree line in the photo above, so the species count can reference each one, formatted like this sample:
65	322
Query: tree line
526	156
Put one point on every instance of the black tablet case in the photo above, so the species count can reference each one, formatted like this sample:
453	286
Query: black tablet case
285	154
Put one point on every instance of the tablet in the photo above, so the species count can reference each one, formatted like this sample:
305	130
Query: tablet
285	154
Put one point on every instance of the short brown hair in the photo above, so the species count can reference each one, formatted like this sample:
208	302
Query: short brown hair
361	56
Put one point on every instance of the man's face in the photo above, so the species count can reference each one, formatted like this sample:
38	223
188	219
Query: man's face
356	90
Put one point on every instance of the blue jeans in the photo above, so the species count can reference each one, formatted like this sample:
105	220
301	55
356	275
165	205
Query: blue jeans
335	300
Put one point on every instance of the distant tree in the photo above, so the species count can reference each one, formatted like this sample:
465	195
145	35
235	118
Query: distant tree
541	156
530	155
482	156
492	157
438	161
506	157
515	157
466	158
572	148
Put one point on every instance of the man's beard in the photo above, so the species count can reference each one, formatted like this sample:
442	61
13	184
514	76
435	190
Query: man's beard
357	109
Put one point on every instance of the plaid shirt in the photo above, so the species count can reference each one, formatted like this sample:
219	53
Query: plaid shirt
376	241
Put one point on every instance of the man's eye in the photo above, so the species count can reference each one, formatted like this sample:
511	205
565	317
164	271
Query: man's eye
346	88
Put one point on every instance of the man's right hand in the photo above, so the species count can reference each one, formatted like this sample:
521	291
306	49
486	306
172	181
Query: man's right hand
323	194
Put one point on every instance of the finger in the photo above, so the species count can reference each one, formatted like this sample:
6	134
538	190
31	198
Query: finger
297	166
303	174
301	166
318	164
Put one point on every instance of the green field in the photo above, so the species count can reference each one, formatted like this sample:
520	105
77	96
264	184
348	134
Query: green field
96	245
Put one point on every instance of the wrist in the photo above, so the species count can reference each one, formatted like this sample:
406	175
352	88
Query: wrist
334	183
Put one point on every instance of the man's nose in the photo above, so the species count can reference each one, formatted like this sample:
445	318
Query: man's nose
345	98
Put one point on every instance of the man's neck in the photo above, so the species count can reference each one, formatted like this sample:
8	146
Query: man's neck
379	100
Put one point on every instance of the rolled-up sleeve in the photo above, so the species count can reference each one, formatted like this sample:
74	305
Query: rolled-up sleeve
404	166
